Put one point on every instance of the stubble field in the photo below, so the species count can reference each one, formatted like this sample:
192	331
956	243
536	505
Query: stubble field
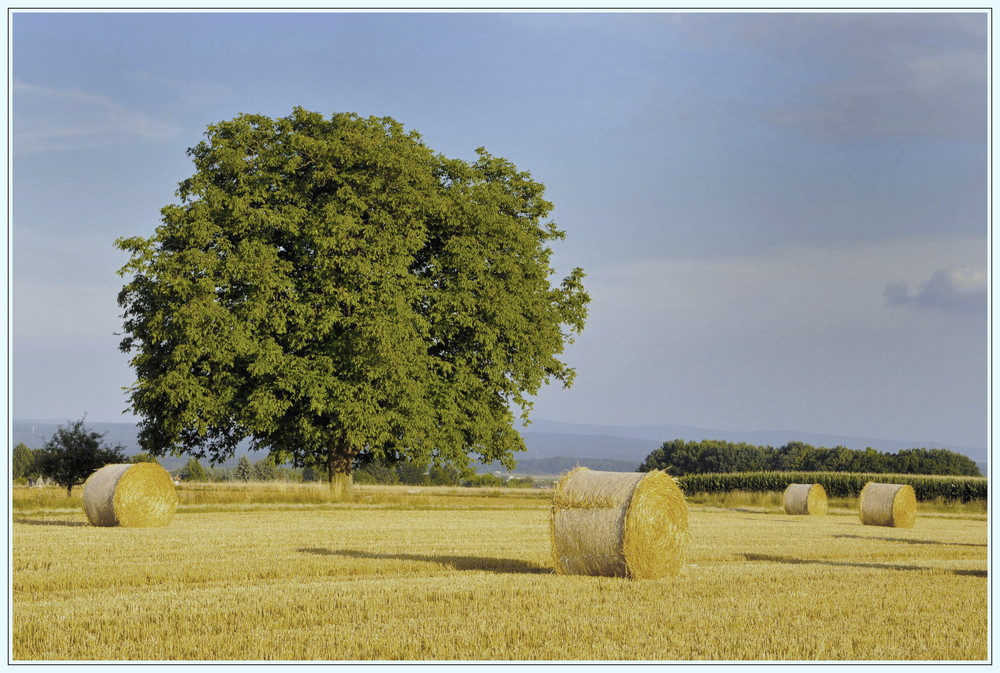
466	575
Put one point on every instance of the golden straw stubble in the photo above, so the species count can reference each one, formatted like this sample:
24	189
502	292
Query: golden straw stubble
805	499
619	524
133	496
893	505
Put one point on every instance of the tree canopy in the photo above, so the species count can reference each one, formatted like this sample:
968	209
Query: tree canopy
73	453
193	471
681	457
244	469
331	289
23	462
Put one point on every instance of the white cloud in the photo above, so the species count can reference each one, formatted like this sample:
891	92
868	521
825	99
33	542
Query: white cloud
48	118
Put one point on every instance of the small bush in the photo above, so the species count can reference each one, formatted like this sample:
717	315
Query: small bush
483	480
445	475
413	474
193	471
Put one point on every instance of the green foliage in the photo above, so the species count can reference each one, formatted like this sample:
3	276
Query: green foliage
403	471
446	475
681	457
244	470
332	288
73	453
837	484
265	470
193	471
23	463
413	473
376	473
143	457
483	480
218	474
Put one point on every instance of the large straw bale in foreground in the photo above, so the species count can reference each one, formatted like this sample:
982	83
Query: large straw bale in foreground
618	524
805	499
135	496
888	505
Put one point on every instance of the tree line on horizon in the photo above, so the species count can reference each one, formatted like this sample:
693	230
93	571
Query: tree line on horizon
709	456
74	452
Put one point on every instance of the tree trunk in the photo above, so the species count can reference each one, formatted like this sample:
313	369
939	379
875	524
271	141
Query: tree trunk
69	491
338	465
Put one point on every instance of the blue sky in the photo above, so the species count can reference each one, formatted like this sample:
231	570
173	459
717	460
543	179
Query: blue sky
783	216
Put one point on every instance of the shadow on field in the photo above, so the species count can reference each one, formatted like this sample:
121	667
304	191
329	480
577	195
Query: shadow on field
496	565
877	566
43	522
770	518
903	539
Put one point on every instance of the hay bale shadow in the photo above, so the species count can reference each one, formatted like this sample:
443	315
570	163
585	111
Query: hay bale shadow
909	541
44	522
846	564
485	564
774	519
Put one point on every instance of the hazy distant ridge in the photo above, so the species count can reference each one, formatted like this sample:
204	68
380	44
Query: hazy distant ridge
775	438
621	448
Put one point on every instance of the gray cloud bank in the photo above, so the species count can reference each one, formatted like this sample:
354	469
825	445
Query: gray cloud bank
956	289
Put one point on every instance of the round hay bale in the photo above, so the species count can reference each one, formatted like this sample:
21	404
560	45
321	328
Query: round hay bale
805	499
134	496
892	505
618	524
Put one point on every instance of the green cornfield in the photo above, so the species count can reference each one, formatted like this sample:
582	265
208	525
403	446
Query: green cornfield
837	484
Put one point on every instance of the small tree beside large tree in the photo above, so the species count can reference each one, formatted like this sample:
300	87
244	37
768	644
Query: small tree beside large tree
73	453
334	290
23	462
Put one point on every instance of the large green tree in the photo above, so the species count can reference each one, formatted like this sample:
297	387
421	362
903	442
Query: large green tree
332	289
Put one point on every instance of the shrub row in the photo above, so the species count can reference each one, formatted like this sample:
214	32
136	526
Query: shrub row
712	456
837	484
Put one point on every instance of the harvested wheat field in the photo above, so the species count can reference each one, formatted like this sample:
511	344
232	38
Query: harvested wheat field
467	575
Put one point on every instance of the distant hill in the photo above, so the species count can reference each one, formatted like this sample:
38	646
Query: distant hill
551	444
560	464
657	434
662	433
548	443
